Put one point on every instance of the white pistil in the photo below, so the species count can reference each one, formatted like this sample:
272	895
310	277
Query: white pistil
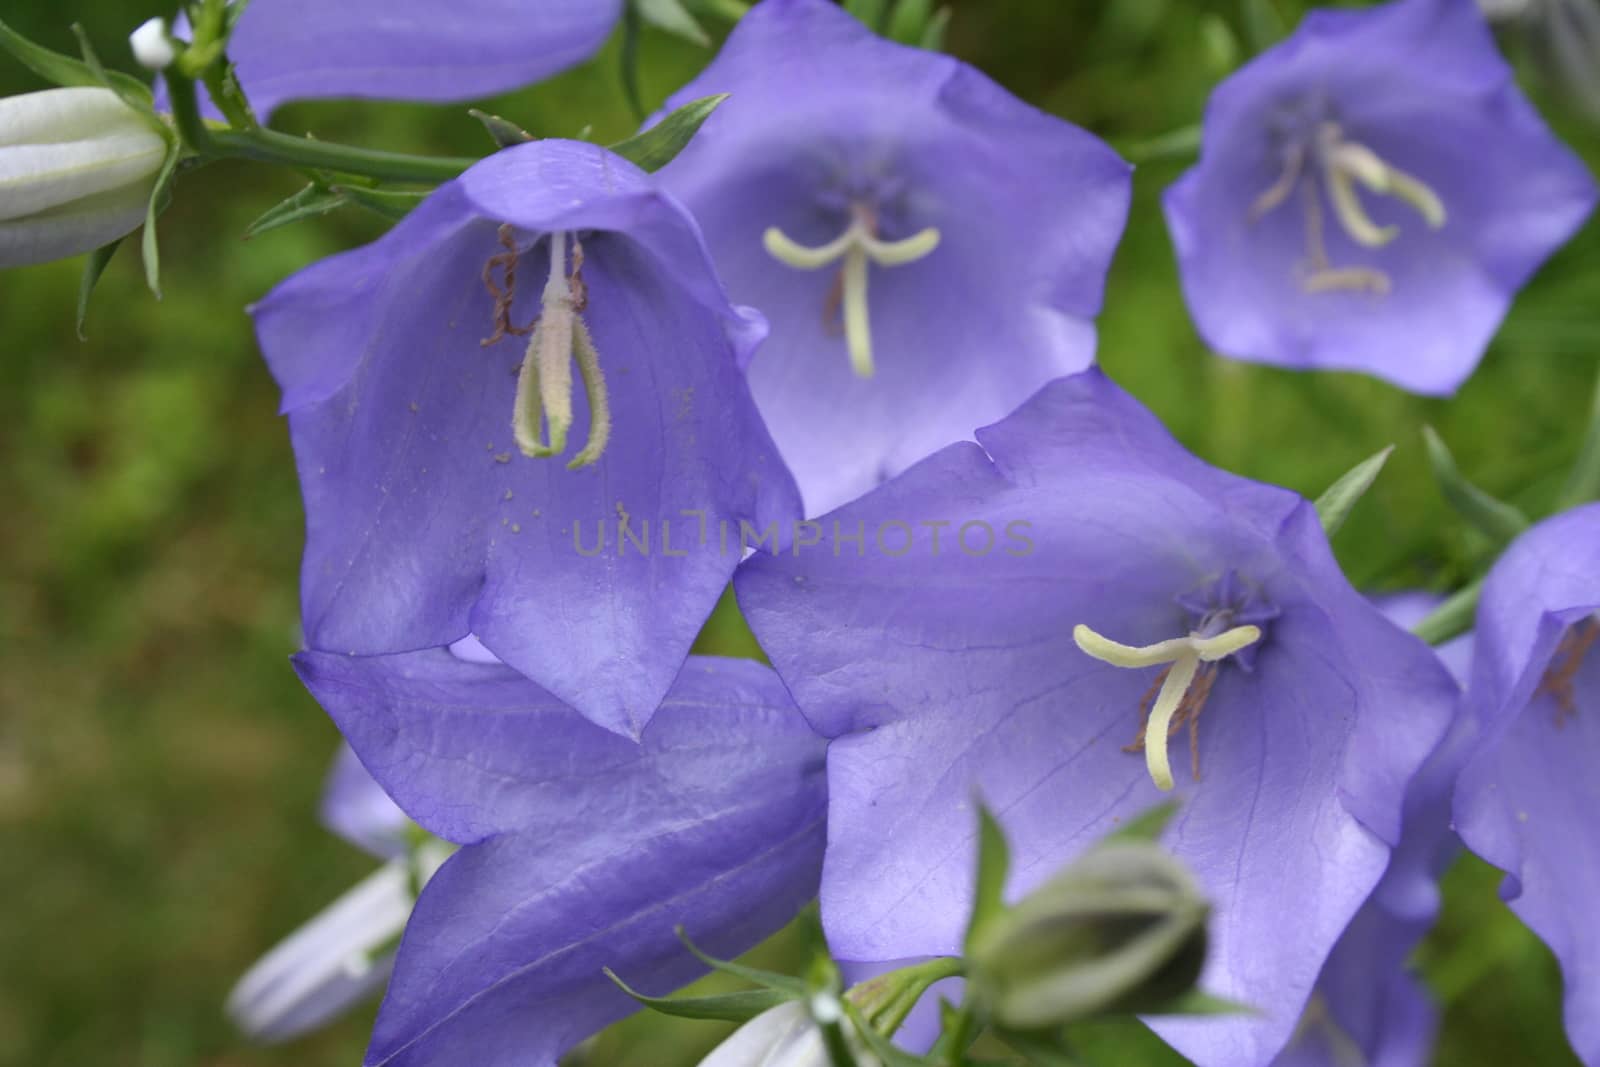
544	385
1185	654
858	246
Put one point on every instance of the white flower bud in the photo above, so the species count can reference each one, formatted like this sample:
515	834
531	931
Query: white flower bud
77	167
785	1036
338	959
152	45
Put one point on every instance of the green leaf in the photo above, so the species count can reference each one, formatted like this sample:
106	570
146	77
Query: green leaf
1583	483
505	132
674	18
160	197
738	1007
130	90
782	983
313	201
1453	618
1195	1002
934	32
994	863
909	21
1263	26
654	148
628	58
1495	519
1335	505
1147	826
93	268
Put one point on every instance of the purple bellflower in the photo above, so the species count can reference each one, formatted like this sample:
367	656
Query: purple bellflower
355	807
580	849
458	482
1007	618
409	49
1527	800
929	249
1371	194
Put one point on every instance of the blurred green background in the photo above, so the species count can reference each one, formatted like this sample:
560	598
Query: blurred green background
160	765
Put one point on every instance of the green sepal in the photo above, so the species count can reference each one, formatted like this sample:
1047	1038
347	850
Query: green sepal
652	149
1334	505
885	1000
739	1007
672	17
129	90
392	204
93	267
1494	518
314	201
793	988
1147	826
64	70
504	132
994	864
160	197
1583	483
1263	25
1196	1002
1453	618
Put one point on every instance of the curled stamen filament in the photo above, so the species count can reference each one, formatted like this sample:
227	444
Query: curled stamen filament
858	246
1185	654
544	385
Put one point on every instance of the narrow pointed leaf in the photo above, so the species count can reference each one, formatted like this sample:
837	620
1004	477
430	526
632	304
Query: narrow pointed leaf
1452	618
1335	505
93	268
311	202
1494	518
909	21
738	1007
505	132
672	17
1147	827
933	33
131	91
160	197
390	203
994	863
50	65
781	983
1583	484
660	144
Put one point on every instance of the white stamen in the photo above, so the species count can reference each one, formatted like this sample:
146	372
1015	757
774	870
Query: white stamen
1186	654
858	245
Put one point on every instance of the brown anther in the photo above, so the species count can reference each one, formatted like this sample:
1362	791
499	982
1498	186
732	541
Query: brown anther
1561	676
580	291
1189	709
504	294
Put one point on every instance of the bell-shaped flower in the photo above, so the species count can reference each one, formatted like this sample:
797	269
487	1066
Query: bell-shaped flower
344	955
1527	800
929	249
1070	617
77	167
580	849
409	49
1371	194
456	477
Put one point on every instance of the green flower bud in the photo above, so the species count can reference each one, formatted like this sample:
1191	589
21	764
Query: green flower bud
1121	931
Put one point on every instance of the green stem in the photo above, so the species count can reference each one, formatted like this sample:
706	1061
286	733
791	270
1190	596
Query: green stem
270	146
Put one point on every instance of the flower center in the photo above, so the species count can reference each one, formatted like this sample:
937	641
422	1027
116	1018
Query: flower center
857	246
1560	678
1227	623
541	414
1324	167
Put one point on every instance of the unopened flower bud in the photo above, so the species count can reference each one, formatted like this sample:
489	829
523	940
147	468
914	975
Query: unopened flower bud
1122	930
152	45
786	1036
77	167
338	959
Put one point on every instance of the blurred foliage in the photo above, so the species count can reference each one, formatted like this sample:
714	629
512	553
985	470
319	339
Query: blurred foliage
160	765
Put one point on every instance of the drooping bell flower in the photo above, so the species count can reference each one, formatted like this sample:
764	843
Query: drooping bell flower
1371	194
929	249
1045	619
344	955
77	167
409	49
580	849
1527	800
521	414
